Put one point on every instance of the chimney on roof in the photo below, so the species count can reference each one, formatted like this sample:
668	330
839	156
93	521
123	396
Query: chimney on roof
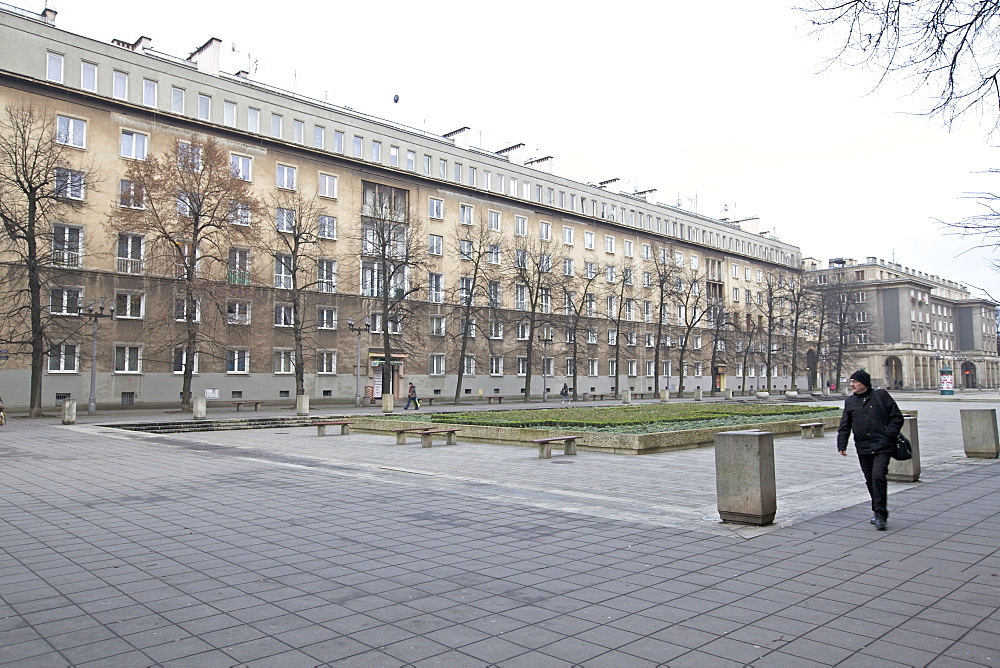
49	16
137	45
648	195
207	56
459	136
514	153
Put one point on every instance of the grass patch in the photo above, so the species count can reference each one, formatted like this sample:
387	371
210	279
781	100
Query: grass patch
636	419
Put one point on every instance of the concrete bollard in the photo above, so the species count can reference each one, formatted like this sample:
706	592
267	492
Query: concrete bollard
69	411
626	396
698	394
664	396
979	433
744	477
727	394
302	404
387	403
908	471
199	408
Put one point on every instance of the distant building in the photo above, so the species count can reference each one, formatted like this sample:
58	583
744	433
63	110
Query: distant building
914	324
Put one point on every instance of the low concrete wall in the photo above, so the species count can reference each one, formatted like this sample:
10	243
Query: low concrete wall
620	444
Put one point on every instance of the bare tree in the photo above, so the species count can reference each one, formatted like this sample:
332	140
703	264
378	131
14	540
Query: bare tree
770	304
845	315
691	300
302	225
479	250
41	183
620	280
948	47
580	307
799	300
392	257
662	289
191	207
530	263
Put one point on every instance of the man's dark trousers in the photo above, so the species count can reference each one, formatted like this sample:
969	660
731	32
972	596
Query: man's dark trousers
876	467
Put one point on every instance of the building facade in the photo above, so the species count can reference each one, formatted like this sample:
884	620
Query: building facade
910	324
623	286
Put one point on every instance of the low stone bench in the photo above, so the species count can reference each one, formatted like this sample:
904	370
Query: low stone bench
239	405
402	432
427	434
593	397
813	429
491	397
545	445
345	427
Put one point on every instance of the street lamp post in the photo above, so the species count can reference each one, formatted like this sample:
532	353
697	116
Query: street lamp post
357	371
94	317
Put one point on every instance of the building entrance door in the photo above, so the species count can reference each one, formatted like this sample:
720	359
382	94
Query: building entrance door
968	375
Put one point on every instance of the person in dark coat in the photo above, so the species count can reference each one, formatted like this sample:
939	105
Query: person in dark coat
875	420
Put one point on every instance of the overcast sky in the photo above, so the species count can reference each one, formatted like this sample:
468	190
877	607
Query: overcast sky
716	104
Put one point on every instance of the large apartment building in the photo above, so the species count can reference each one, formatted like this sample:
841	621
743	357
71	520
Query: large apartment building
114	104
909	324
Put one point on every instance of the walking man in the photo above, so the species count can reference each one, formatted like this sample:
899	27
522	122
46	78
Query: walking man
564	393
411	395
875	420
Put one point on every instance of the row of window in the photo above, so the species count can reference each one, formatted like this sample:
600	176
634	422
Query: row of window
128	359
436	367
457	172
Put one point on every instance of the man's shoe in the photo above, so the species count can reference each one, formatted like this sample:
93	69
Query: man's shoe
872	520
880	524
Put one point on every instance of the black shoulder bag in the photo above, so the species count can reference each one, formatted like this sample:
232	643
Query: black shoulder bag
904	450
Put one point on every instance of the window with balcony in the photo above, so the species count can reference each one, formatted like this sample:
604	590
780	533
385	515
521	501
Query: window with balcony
67	246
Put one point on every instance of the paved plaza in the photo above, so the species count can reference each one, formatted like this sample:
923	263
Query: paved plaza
279	548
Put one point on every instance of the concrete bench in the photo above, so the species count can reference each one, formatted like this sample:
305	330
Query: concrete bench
402	432
593	397
545	445
239	405
428	434
428	400
812	429
345	427
491	397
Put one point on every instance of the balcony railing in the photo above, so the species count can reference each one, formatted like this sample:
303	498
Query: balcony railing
237	277
128	265
65	258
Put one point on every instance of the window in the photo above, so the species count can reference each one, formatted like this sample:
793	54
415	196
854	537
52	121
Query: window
493	254
69	183
88	76
520	258
326	227
493	296
127	359
394	156
319	136
64	301
283	315
187	310
437	325
129	305
326	275
327	185
494	221
588	240
609	244
678	258
631	365
612	337
284	220
238	313
298	131
590	269
253	119
627	248
119	85
465	249
71	131
238	361
189	156
435	365
521	297
283	272
276	121
411	161
326	362
520	226
544	231
496	365
522	366
591	367
285	177
229	113
465	291
204	107
376	151
435	208
760	276
609	274
472	176
326	318
359	147
241	166
180	359
66	245
129	254
568	235
435	244
647	252
239	213
612	367
133	145
435	288
177	100
592	337
496	329
129	195
148	93
338	141
442	168
284	361
64	358
465	214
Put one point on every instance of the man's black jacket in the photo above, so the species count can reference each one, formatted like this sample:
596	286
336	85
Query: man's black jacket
875	421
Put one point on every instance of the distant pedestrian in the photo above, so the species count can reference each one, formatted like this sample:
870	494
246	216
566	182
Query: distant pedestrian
875	420
411	396
3	416
564	393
